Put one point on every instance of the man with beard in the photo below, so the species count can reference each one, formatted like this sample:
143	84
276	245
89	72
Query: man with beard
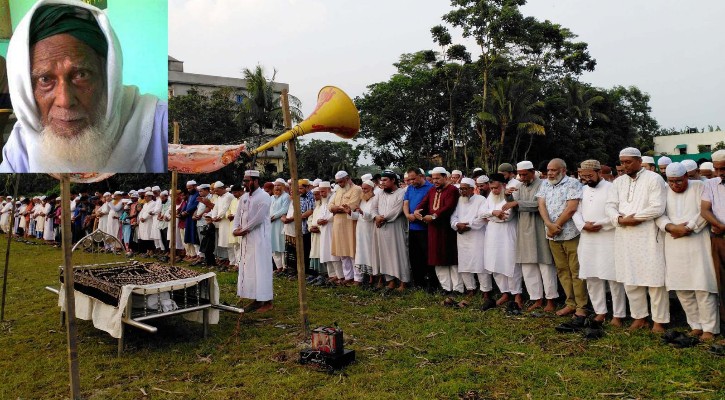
693	172
191	236
252	224
423	273
662	164
325	223
620	169
648	163
307	205
635	201
500	244
688	256
467	221
596	245
223	225
364	233
74	113
145	225
456	177
343	230
706	170
390	255
713	210
482	186
280	204
607	173
559	198
205	227
435	209
532	248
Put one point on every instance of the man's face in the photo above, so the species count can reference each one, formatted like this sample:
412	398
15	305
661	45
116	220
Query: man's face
455	178
506	174
250	183
387	183
220	191
719	169
678	184
555	172
466	190
620	170
590	177
526	176
483	187
324	192
316	195
191	188
237	193
496	188
694	174
707	173
202	192
68	81
277	191
303	189
439	180
366	189
341	182
631	165
163	198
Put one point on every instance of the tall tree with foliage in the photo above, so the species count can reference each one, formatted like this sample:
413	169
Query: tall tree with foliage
323	158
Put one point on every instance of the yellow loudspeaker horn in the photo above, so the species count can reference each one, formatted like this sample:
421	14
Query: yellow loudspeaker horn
335	112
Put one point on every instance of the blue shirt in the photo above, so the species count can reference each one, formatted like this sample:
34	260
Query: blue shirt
307	202
556	197
414	195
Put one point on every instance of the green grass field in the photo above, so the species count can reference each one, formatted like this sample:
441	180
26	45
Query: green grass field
407	347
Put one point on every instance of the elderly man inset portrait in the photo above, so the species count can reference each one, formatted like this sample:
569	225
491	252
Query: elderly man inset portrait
74	113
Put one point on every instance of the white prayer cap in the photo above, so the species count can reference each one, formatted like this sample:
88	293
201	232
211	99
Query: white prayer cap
524	165
468	181
325	184
58	198
218	184
718	156
251	172
126	201
8	197
149	194
133	193
316	182
439	170
316	190
630	152
340	175
367	177
457	172
155	189
648	160
141	190
477	169
482	179
664	160
118	193
42	197
106	194
676	169
190	183
148	189
369	183
165	193
690	165
204	186
707	165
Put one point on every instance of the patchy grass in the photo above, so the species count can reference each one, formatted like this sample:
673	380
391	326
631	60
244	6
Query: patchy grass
407	347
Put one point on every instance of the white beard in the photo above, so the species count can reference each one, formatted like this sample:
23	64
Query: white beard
497	198
464	199
86	152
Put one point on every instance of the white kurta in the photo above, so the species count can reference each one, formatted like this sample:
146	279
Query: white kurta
5	218
232	211
221	206
113	222
639	254
364	232
596	249
314	237
40	218
145	221
688	260
255	264
326	233
48	233
102	217
500	241
155	212
471	247
289	229
390	241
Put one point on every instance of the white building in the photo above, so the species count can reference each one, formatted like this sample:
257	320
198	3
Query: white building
688	143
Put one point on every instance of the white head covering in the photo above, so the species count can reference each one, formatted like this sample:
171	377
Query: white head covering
133	193
648	160
482	179
325	184
155	189
204	186
477	169
128	116
218	184
106	194
664	160
718	156
148	189
457	172
524	165
315	190
251	172
690	165
118	193
675	169
316	182
369	183
191	182
280	181
367	177
164	193
340	175
630	152
468	181
42	198
439	170
707	165
8	197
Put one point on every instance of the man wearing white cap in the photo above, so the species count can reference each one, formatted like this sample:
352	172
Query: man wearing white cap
101	212
280	205
706	170
343	230
156	212
637	198
471	228
191	236
482	186
713	210
163	217
146	224
364	231
325	223
596	245
5	218
205	226
113	222
532	248
223	225
435	210
648	163
693	172
688	255
662	164
252	224
456	176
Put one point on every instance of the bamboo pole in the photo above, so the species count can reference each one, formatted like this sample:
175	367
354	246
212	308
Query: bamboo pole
174	184
299	246
7	251
70	306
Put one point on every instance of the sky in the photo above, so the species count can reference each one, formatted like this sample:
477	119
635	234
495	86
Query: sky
671	49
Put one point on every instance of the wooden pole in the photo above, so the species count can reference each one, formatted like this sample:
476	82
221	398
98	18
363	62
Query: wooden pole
174	184
299	246
70	305
7	251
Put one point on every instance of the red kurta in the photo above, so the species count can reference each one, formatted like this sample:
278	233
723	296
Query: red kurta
442	249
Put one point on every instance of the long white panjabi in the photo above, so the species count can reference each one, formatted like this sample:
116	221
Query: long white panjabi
364	232
145	221
255	263
500	240
326	232
48	233
113	222
390	241
596	249
471	248
5	218
221	206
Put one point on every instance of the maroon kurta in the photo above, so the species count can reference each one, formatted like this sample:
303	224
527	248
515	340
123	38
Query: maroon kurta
442	249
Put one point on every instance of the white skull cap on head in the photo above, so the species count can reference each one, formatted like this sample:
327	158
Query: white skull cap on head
191	183
340	175
707	165
218	184
468	181
368	182
718	156
664	160
524	165
325	184
367	177
630	152
457	172
155	189
482	179
690	165
251	172
648	160
675	170
439	170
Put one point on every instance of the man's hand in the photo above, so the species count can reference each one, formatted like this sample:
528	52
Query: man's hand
628	220
678	230
411	217
510	190
718	229
315	229
510	205
591	227
346	209
417	214
322	222
230	217
427	219
379	221
462	227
